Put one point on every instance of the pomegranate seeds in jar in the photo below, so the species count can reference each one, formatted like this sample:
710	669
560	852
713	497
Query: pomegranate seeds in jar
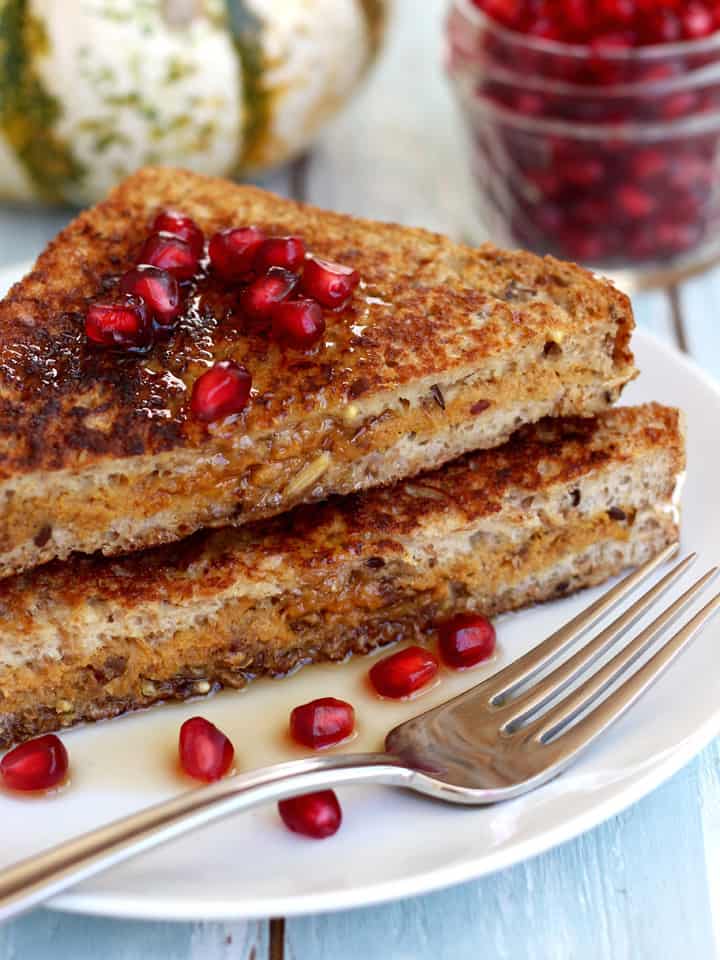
623	88
633	22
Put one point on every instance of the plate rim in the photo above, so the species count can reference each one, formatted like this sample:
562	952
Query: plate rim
142	907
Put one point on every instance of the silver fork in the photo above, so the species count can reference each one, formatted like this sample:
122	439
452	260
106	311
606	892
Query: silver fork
501	739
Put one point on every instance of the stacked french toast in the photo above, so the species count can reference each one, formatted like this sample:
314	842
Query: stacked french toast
239	434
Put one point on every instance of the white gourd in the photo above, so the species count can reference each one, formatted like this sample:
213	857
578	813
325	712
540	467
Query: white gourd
92	89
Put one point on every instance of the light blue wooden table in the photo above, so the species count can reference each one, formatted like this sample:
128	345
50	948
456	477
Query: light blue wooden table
644	886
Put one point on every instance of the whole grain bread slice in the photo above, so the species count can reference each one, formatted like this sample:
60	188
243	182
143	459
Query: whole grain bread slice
443	349
564	504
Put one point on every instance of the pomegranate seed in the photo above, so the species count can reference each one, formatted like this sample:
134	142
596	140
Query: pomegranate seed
123	323
635	202
258	300
583	245
545	28
233	251
331	284
403	672
585	173
158	288
169	253
697	21
179	225
578	17
648	163
220	391
322	723
508	12
531	104
205	752
286	252
317	815
661	26
36	765
466	639
297	323
579	21
617	11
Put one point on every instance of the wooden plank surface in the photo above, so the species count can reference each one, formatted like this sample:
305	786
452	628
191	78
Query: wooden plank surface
606	895
44	934
700	303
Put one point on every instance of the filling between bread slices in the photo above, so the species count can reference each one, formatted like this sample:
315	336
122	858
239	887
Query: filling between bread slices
85	664
125	504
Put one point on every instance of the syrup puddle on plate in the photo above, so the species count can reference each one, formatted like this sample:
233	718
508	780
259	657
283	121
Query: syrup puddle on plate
142	747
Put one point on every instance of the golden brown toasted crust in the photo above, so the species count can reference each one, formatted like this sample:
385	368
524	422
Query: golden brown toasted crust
490	324
563	504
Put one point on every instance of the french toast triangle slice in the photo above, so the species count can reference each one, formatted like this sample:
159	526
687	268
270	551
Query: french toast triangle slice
442	349
564	504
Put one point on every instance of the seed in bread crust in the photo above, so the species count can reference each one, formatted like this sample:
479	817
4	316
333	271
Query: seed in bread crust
309	474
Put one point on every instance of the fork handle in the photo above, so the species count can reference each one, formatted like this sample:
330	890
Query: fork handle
40	877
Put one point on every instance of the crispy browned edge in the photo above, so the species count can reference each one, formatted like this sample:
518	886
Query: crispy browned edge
363	530
49	378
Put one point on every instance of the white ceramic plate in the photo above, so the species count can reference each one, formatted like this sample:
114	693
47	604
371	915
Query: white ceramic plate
391	844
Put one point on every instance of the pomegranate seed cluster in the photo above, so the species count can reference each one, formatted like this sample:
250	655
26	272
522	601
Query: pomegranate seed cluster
280	290
624	23
604	151
206	753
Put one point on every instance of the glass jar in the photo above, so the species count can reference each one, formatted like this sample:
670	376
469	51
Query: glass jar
607	156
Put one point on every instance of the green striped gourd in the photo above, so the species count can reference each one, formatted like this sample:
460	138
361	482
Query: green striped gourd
92	89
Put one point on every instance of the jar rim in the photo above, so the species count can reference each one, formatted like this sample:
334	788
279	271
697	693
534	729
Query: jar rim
695	125
655	51
680	83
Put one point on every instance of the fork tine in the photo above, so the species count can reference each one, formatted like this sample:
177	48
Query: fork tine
554	683
527	666
587	693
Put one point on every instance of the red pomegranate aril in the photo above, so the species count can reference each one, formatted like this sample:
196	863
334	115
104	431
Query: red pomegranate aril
205	752
158	288
506	11
317	815
605	200
634	202
258	299
661	26
466	640
331	284
697	21
585	173
169	253
648	163
124	323
36	765
297	323
222	390
679	104
322	723
179	225
232	252
404	672
286	252
616	11
531	104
